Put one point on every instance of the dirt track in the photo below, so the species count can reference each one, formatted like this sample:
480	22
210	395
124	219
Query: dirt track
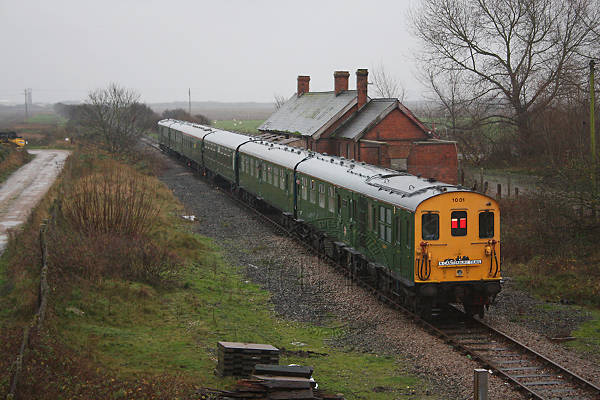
26	187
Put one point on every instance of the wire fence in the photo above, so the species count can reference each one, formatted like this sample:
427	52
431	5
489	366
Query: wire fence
37	320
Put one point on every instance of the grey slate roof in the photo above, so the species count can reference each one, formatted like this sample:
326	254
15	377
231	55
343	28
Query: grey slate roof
370	115
310	114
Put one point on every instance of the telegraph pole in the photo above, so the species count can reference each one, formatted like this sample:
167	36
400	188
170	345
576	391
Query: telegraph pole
26	104
592	112
190	101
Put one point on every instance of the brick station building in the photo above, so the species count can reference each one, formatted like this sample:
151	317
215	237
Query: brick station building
350	124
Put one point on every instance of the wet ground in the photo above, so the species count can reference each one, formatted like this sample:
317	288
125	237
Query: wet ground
23	190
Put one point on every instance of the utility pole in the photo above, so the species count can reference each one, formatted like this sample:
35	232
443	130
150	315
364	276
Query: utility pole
190	101
26	92
592	112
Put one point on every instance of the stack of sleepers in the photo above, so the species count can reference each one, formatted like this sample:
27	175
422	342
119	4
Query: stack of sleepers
239	359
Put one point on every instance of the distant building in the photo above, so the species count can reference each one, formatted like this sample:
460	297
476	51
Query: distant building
348	123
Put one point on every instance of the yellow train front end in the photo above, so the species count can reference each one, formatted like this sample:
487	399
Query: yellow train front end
457	249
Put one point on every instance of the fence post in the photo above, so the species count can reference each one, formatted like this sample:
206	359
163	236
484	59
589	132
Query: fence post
508	185
481	384
499	191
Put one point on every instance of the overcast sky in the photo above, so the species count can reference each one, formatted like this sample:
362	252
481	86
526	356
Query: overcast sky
224	50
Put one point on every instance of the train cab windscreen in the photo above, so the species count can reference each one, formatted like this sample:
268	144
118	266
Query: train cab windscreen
486	225
430	226
458	221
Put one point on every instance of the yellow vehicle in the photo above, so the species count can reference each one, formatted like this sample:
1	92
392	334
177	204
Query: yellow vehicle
11	137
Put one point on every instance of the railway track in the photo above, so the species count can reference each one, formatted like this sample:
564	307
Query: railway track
532	373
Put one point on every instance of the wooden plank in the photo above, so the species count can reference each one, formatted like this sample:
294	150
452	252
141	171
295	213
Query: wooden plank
283	370
294	394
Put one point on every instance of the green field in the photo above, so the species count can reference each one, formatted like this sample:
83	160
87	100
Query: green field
244	126
46	119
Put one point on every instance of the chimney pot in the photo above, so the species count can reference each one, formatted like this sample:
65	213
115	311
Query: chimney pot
361	86
303	84
340	81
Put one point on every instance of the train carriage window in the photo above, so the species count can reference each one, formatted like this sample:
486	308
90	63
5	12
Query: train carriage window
321	195
369	217
283	180
304	189
407	232
430	226
331	199
275	176
458	223
268	177
264	172
486	225
399	232
313	194
385	224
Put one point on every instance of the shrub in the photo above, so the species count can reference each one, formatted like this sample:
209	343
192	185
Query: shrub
104	224
115	200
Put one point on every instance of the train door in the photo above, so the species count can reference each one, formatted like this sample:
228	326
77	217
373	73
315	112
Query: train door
362	222
345	201
399	241
402	244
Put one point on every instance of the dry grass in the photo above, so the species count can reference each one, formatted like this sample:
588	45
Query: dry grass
107	224
116	200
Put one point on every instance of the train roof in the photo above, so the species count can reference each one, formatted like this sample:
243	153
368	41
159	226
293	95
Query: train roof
199	131
398	188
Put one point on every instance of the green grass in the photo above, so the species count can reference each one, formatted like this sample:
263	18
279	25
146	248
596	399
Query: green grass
245	126
588	337
46	119
136	329
119	331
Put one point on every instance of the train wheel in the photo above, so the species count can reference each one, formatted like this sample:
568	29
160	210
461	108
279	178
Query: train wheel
423	307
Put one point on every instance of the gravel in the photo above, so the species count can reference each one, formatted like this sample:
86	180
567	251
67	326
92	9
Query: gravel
306	289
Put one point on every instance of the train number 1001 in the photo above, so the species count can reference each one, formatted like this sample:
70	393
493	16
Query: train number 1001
458	199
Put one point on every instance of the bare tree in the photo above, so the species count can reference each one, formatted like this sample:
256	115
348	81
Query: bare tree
461	117
386	85
520	52
114	115
279	100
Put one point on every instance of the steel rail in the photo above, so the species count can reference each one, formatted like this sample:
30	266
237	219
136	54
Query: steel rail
581	383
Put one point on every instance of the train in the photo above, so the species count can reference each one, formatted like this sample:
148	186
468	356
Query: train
424	243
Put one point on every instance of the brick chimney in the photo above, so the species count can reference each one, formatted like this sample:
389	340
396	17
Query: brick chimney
340	81
303	84
361	86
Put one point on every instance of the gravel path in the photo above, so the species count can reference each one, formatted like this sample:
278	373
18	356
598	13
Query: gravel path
26	187
306	289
